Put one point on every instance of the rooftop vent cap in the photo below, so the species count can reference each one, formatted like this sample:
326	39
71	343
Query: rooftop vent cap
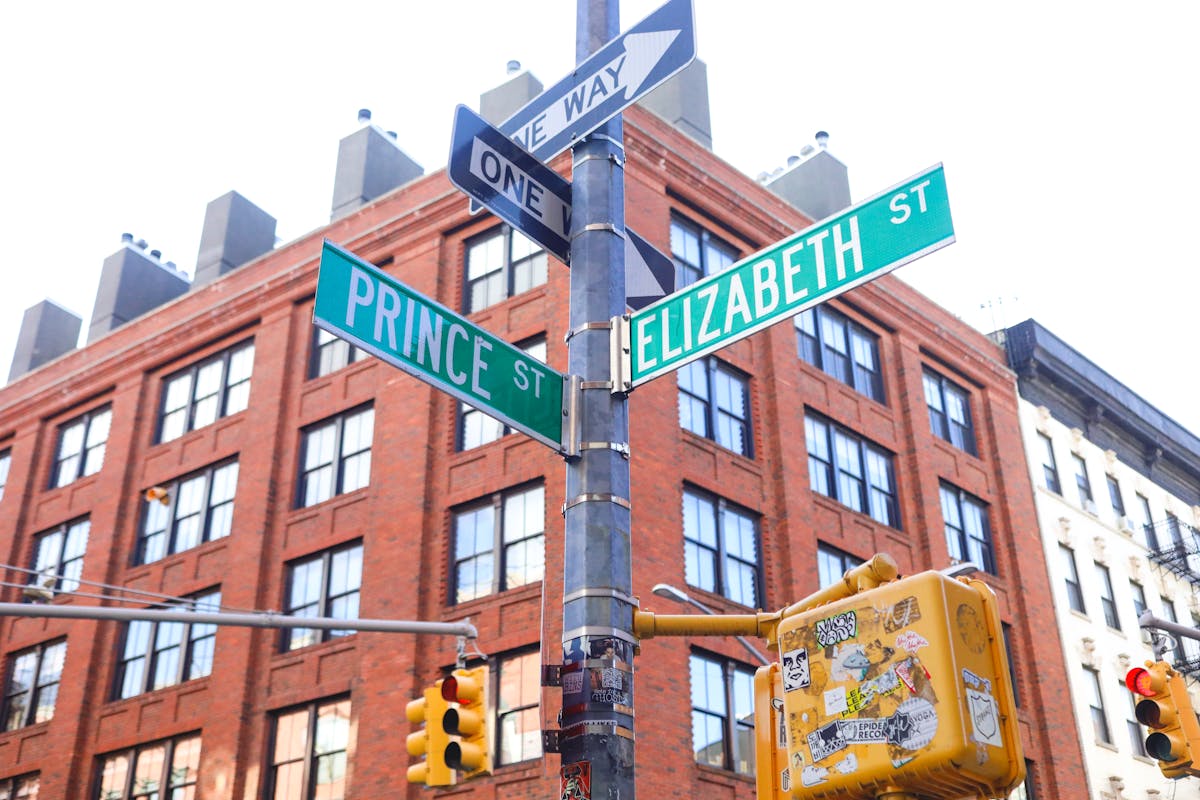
364	116
822	139
513	67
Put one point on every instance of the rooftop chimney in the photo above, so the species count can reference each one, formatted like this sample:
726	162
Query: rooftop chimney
816	182
131	283
235	232
682	100
47	331
506	99
370	164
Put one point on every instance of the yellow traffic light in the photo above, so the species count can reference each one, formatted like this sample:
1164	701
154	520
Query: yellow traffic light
1167	711
773	779
471	751
431	740
900	688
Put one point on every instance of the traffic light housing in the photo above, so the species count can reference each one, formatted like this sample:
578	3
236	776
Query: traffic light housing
900	688
431	741
1166	709
465	724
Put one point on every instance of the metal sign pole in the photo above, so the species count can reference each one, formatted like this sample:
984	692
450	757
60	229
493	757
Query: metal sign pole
596	737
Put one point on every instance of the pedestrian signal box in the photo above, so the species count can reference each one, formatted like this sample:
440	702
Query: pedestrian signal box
901	688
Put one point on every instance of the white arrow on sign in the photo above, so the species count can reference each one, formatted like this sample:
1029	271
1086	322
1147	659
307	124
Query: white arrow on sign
623	75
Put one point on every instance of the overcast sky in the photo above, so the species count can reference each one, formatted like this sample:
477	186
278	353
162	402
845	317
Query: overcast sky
1068	131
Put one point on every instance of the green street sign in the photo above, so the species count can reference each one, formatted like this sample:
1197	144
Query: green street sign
364	305
852	247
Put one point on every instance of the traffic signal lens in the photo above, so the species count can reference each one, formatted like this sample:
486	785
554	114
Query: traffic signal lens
1149	713
450	689
1140	681
1158	745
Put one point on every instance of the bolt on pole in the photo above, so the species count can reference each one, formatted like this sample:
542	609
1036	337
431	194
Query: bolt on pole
596	738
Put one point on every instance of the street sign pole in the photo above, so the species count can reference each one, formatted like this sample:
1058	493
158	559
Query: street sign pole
596	735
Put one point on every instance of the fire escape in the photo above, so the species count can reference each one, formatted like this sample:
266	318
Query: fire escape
1174	546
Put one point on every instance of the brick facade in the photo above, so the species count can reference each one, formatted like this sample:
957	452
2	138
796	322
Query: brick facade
404	517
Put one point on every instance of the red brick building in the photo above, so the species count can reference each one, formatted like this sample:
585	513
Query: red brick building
303	478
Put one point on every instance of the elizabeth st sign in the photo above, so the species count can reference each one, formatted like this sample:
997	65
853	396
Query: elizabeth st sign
808	267
366	306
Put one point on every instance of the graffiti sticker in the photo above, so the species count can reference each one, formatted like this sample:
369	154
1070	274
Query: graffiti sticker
911	641
985	718
971	679
901	615
795	670
850	663
837	629
835	701
911	727
575	781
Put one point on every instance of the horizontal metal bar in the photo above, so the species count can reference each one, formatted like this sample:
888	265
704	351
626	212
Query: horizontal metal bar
266	619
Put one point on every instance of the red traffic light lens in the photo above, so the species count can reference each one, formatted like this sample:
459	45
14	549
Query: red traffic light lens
450	689
1140	681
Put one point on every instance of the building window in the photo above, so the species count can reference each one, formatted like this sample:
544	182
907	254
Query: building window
5	464
1168	607
832	564
81	444
968	534
32	686
723	713
949	412
308	755
1006	635
158	654
1096	703
1083	484
58	556
1071	575
195	509
1139	598
1114	497
167	769
834	344
206	391
330	353
499	544
851	470
476	428
323	585
714	402
501	264
1049	465
336	456
22	787
1148	531
518	701
1107	600
720	548
1137	734
697	252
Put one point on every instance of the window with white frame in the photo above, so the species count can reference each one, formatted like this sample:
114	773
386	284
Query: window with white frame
335	456
5	464
475	428
722	713
501	264
308	751
1096	705
518	707
714	402
1082	483
696	252
720	547
832	564
326	584
968	532
851	470
949	411
840	347
330	353
81	446
159	654
1107	600
31	687
1071	578
499	543
1049	465
58	556
164	769
199	395
194	509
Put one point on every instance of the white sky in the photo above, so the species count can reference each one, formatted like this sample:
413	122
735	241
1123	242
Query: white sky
1069	132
